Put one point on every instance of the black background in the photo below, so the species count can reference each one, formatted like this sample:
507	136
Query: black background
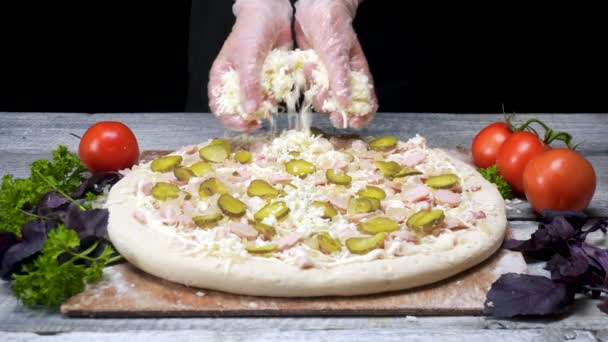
133	56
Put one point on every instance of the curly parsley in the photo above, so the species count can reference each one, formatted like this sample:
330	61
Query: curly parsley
17	195
48	281
492	176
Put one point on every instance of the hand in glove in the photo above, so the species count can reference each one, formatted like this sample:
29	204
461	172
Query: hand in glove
261	25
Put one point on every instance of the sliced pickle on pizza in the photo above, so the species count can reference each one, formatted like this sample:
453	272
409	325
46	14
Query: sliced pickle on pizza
364	245
165	164
338	178
445	181
385	143
200	168
213	153
163	191
212	186
424	221
378	225
225	143
371	191
268	232
207	221
329	211
328	244
299	167
231	206
277	209
183	174
261	188
359	206
388	168
243	157
260	249
407	171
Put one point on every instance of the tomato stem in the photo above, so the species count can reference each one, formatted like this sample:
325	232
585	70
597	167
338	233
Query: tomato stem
550	134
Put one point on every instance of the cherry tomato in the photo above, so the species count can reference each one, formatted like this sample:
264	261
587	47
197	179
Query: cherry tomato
108	146
559	179
487	142
514	155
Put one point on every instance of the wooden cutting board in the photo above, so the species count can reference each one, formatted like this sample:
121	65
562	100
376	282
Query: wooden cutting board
128	292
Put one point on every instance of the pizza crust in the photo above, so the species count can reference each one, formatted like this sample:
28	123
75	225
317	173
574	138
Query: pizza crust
157	253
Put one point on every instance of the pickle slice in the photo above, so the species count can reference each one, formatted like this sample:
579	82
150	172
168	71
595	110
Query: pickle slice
328	244
378	225
201	168
359	205
268	232
162	191
338	178
425	220
388	168
294	153
261	188
231	206
278	209
262	249
207	221
406	171
384	143
328	210
213	153
299	167
212	186
444	181
225	143
243	157
183	174
375	203
165	164
362	245
371	191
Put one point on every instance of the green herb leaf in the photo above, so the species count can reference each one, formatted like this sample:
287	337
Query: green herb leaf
62	173
48	282
492	176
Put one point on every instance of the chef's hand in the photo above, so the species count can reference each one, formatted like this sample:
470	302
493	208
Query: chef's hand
261	25
326	27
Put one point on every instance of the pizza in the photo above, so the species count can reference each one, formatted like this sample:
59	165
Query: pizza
305	214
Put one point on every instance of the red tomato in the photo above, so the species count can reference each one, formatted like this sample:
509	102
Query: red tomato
514	155
108	146
487	142
559	179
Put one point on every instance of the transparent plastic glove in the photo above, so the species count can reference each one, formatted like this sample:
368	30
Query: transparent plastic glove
261	25
326	27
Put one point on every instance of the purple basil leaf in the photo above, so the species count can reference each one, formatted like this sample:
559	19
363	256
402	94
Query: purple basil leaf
7	240
96	183
567	269
575	219
34	234
90	225
51	203
548	239
526	295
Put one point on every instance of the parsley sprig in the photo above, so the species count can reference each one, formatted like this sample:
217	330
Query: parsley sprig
492	176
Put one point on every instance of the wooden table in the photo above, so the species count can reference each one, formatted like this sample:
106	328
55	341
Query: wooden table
25	137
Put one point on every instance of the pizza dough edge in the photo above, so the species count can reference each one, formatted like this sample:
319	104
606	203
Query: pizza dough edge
154	253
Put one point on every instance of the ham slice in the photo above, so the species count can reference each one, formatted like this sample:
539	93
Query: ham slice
242	230
288	241
338	203
417	194
413	158
359	217
404	235
140	216
447	197
277	178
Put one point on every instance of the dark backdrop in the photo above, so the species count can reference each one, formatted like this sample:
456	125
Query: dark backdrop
133	56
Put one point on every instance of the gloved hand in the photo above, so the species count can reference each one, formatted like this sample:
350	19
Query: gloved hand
261	25
326	27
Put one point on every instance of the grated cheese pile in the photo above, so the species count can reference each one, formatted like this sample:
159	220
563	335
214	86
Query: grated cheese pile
284	82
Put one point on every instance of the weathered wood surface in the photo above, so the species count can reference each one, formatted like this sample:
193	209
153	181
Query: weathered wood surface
27	137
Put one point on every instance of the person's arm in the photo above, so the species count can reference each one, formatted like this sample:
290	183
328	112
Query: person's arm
326	27
261	25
